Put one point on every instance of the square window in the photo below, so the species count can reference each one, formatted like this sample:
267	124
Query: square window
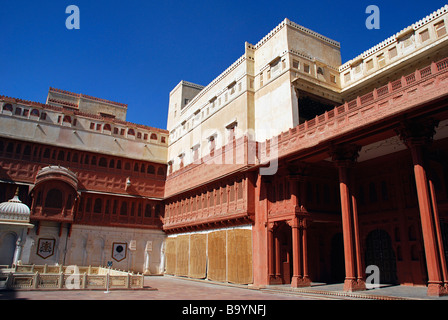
295	64
306	68
332	78
381	60
440	29
347	77
393	52
424	35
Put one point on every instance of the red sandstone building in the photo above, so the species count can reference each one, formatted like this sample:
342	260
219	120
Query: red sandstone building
353	171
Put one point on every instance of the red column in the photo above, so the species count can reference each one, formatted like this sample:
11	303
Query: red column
278	259
417	136
260	234
306	279
299	254
435	280
345	157
297	175
271	251
347	230
296	253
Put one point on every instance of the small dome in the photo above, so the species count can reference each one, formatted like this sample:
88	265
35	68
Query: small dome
14	210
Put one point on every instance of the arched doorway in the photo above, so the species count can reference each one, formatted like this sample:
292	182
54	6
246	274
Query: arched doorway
337	272
379	252
7	248
284	235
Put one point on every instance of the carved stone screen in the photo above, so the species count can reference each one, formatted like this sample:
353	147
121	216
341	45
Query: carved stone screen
198	256
224	256
217	256
182	254
170	255
239	256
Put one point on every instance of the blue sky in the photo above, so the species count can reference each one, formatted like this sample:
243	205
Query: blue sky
135	52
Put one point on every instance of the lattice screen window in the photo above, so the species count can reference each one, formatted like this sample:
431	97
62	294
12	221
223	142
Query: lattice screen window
424	35
393	52
381	60
440	28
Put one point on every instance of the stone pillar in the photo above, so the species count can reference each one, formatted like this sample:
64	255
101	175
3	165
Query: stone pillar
18	250
417	136
299	254
306	278
271	250
278	258
345	157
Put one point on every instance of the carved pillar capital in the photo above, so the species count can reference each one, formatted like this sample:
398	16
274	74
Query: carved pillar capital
271	226
417	132
345	155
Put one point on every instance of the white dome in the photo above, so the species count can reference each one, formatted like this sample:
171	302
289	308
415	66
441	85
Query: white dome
14	210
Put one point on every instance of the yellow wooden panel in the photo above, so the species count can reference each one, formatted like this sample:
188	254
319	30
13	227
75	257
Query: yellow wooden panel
170	255
217	256
198	256
239	255
182	255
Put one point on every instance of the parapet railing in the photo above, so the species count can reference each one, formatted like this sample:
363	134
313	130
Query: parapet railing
303	135
34	277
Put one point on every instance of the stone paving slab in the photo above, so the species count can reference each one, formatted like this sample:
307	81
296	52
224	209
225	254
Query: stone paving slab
176	288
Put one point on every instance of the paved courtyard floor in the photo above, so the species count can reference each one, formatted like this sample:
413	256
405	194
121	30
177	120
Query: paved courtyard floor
174	288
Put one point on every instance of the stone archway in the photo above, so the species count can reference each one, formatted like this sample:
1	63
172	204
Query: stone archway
379	252
7	248
337	272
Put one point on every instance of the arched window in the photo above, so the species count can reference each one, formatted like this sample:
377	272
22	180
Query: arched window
47	153
61	156
142	168
118	164
97	206
107	127
75	158
67	119
373	196
93	162
35	112
7	107
111	163
150	169
27	150
54	199
148	211
124	209
153	136
136	167
160	171
157	211
131	132
10	147
102	162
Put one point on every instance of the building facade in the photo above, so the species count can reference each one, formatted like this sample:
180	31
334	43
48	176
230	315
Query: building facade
92	180
289	167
